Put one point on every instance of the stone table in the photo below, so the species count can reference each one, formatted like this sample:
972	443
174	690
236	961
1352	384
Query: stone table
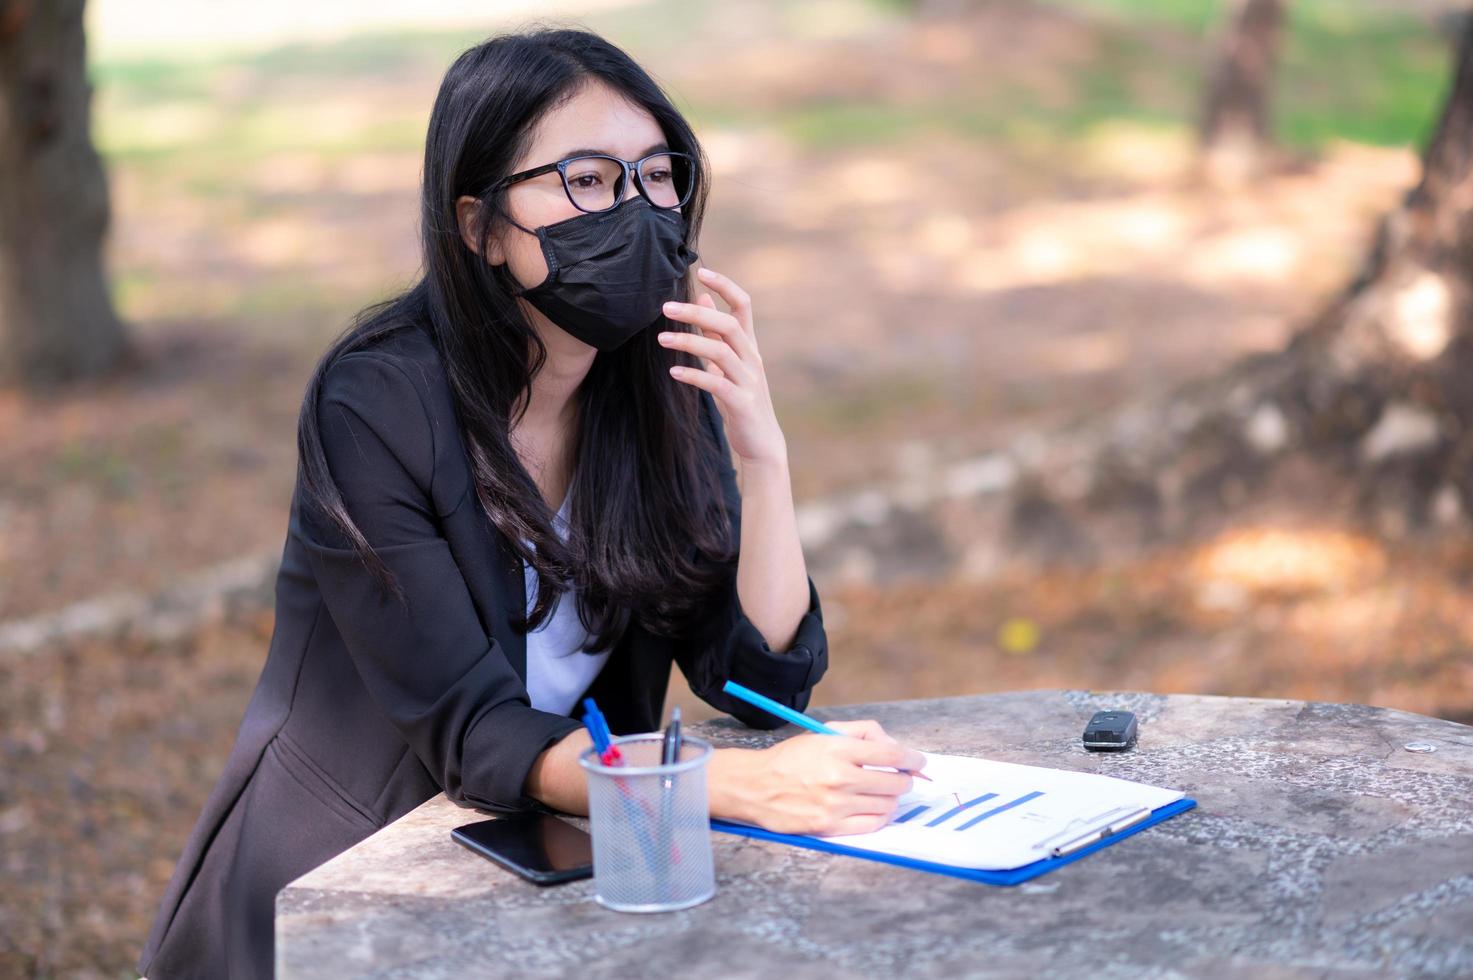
1320	847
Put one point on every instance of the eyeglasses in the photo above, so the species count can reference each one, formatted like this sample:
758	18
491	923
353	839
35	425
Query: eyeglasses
596	182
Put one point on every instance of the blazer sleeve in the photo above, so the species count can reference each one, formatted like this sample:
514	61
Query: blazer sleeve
444	684
734	649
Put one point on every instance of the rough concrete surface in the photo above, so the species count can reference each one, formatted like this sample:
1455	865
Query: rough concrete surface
1320	847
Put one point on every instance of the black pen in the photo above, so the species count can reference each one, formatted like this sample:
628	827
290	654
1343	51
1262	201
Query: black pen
670	745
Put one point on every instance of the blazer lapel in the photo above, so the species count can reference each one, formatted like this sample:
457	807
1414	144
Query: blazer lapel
493	574
631	687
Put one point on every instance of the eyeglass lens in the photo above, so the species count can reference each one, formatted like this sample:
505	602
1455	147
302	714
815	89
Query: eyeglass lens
593	182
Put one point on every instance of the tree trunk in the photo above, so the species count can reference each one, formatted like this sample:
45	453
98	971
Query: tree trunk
56	316
1236	133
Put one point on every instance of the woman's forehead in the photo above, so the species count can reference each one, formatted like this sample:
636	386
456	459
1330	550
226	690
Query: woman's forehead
595	118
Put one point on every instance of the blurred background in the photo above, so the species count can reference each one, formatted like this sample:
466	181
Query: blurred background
1113	349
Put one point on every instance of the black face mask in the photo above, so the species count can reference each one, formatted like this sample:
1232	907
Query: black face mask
610	273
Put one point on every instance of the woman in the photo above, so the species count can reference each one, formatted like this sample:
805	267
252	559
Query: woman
532	418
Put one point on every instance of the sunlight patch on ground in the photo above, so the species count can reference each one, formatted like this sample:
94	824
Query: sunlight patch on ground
1148	154
1054	242
1421	320
1256	237
128	26
943	235
1281	561
1084	353
1359	613
734	150
1267	254
274	242
292	173
876	180
156	127
830	19
776	264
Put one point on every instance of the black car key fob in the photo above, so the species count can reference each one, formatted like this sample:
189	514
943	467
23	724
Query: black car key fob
1110	730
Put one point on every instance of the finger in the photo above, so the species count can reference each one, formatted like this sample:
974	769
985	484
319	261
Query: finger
856	823
711	320
722	388
706	315
736	297
848	802
864	728
705	300
880	782
712	349
872	752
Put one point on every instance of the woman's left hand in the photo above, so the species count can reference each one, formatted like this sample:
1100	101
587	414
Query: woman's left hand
733	371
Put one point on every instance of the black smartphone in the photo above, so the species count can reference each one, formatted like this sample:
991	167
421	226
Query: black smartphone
537	846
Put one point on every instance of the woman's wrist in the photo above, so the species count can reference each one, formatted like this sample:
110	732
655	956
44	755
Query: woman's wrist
773	470
727	781
556	779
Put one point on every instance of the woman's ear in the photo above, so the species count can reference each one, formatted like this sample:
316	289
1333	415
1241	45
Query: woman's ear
467	209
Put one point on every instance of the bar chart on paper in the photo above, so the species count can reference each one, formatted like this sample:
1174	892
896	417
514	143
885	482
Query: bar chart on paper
977	813
955	813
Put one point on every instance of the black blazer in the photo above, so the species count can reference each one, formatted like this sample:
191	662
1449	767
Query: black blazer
365	710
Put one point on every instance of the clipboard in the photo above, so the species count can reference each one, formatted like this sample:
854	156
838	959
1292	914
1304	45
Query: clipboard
1012	876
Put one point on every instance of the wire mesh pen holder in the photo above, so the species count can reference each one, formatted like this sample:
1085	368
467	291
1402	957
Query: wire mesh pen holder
651	826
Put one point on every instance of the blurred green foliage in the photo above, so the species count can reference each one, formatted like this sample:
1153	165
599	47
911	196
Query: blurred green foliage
1370	71
1352	69
1360	71
207	133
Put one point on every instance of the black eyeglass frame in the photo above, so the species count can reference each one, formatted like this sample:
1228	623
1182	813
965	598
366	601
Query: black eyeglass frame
630	166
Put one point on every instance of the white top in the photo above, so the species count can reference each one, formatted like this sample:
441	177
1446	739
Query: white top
557	670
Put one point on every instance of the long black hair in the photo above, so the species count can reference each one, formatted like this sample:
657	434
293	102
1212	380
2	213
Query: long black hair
648	531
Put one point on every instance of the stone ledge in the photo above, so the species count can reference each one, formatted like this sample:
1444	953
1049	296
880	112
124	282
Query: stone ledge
1319	846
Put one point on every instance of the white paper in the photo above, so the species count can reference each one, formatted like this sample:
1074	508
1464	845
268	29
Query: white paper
977	813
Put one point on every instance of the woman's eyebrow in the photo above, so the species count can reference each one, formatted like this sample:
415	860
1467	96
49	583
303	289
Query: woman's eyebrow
585	151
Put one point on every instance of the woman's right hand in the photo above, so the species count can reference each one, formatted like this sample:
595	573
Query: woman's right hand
815	784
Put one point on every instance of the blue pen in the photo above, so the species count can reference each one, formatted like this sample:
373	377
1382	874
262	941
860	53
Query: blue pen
590	722
796	717
608	755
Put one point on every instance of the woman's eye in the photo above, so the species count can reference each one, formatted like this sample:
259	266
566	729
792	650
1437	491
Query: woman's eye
657	176
592	180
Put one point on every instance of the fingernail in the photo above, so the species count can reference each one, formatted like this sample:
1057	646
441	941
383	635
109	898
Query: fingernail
704	272
666	337
672	307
